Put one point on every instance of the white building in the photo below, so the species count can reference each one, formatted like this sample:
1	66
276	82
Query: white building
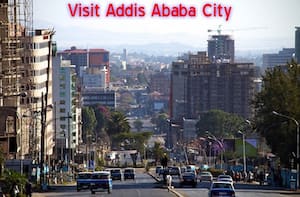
36	81
67	111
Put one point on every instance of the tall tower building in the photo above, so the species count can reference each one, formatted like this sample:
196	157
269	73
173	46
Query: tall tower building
36	81
221	48
25	70
297	44
198	86
66	111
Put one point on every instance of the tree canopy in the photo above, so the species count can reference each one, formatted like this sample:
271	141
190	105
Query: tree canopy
89	122
280	93
220	123
130	141
117	123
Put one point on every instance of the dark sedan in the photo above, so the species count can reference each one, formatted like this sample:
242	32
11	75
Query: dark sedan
188	178
116	174
129	173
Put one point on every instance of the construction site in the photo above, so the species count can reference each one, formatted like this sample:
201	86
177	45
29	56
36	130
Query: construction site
26	137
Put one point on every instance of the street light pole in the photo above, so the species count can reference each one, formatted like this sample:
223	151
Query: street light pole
244	152
43	111
298	151
211	136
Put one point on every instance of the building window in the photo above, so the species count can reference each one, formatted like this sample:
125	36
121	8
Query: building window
62	86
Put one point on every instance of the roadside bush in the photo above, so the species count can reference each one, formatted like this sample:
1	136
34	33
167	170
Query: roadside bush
11	177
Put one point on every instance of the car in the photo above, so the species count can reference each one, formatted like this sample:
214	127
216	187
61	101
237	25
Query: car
116	174
221	188
191	168
83	180
158	170
174	170
226	178
183	169
100	181
129	173
205	176
188	178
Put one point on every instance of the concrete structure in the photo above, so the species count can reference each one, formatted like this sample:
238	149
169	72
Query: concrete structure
94	78
78	57
160	82
198	86
67	111
37	81
221	48
95	96
92	58
25	65
297	44
189	129
278	59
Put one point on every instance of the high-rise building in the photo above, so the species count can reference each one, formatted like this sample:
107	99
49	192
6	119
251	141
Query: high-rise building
67	114
78	57
36	80
297	44
25	67
198	86
92	58
278	59
221	48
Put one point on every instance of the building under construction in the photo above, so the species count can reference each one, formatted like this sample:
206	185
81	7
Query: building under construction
25	84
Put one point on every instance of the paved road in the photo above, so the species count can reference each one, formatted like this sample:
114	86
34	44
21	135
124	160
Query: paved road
242	190
143	186
146	186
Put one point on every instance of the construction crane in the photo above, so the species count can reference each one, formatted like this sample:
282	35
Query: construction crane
219	30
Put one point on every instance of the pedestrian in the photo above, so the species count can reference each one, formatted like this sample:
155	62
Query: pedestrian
28	189
15	190
169	182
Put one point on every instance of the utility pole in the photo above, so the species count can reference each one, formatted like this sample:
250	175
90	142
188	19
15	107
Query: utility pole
43	111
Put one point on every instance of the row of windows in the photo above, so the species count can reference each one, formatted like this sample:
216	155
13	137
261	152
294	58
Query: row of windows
40	45
35	59
34	73
33	86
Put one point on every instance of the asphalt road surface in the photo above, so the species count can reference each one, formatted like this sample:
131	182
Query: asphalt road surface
147	186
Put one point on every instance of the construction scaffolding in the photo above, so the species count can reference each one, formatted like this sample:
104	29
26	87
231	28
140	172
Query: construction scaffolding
15	25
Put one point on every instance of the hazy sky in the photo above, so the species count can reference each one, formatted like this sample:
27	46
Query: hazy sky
256	24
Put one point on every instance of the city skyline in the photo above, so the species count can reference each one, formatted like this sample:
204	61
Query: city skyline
255	25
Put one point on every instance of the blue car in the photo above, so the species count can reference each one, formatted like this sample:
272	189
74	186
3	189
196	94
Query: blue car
83	180
101	181
221	188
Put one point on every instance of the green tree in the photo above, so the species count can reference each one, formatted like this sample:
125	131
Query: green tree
11	178
89	122
102	115
157	151
117	123
138	124
219	123
161	122
280	93
131	141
